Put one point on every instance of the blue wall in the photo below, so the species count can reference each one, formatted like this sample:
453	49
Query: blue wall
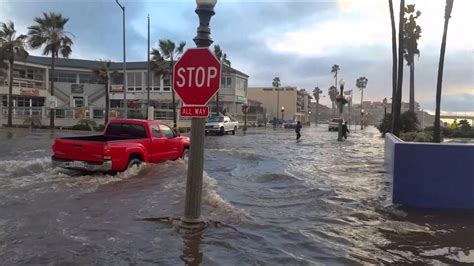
431	175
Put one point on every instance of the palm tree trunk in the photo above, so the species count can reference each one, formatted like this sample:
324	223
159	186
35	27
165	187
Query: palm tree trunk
52	112
361	115
317	111
398	100
412	85
107	102
394	56
175	123
10	94
437	133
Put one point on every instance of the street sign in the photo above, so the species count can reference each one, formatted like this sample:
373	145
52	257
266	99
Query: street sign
194	111
197	76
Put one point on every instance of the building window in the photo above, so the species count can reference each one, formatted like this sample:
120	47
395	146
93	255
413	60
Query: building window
226	82
166	83
5	101
156	82
64	77
78	101
85	78
134	81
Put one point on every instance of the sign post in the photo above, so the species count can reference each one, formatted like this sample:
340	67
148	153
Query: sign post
196	78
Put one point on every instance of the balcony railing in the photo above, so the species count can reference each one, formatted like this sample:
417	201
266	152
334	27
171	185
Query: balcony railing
23	112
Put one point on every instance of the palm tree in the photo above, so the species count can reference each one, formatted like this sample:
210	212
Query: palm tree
394	56
11	46
398	97
333	95
316	92
276	84
101	75
162	64
447	15
49	32
361	83
334	70
222	57
412	34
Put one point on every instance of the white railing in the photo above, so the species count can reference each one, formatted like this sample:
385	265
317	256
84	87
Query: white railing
22	112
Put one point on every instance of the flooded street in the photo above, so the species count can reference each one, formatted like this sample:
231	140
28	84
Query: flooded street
317	201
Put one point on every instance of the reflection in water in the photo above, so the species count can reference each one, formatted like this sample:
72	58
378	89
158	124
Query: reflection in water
192	253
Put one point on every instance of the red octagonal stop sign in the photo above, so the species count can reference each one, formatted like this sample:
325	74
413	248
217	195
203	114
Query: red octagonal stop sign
197	76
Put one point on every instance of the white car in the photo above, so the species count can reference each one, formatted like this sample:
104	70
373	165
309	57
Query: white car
221	125
333	124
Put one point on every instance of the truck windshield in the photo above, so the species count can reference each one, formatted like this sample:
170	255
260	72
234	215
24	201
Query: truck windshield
126	130
215	119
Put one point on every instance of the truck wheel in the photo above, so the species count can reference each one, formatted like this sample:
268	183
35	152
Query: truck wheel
185	154
235	130
222	131
134	162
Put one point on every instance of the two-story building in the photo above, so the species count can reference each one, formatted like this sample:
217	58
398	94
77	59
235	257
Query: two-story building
77	95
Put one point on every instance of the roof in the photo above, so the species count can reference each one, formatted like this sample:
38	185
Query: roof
92	64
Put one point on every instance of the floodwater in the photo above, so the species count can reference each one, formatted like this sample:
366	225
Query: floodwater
317	201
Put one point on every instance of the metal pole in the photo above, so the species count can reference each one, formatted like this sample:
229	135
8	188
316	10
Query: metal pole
148	70
125	83
339	134
278	100
192	219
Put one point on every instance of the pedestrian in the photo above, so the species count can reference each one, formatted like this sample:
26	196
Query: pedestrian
345	130
298	130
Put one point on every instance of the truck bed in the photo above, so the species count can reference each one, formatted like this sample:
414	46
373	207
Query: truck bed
100	138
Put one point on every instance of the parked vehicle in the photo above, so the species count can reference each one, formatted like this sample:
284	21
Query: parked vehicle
221	125
290	124
124	143
333	124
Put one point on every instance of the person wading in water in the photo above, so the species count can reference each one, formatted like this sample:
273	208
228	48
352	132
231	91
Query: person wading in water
298	130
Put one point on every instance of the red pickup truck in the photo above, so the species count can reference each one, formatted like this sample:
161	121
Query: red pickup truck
125	143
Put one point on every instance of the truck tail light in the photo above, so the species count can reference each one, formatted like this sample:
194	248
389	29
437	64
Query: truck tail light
106	153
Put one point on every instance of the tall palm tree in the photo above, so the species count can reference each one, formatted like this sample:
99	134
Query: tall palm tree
447	15
394	57
412	34
334	70
398	97
101	75
11	46
163	60
316	92
49	33
222	57
332	92
276	84
361	83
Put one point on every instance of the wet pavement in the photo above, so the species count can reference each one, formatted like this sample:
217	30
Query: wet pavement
316	201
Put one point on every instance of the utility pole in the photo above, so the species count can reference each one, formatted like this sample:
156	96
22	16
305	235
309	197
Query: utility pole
125	83
148	71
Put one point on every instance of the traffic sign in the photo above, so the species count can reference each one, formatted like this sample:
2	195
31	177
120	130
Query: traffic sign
196	76
194	111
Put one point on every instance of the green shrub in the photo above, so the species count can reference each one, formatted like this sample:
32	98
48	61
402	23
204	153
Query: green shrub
409	121
85	124
32	122
385	124
408	136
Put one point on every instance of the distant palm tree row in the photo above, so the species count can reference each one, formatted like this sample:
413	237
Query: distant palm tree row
48	32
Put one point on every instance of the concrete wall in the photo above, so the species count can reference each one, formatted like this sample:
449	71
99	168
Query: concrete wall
431	175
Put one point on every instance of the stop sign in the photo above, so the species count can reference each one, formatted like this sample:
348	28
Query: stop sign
197	76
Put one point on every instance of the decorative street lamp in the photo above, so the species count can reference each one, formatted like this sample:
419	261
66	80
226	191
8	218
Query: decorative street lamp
341	101
385	107
362	118
282	114
192	218
125	84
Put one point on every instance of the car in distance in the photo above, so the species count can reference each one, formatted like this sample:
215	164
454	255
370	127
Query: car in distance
290	124
333	124
124	143
221	125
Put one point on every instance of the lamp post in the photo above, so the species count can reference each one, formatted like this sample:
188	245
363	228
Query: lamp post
384	107
244	110
361	118
276	85
192	219
125	84
309	117
283	113
341	104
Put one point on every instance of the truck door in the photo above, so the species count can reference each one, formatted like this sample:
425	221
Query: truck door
159	145
172	143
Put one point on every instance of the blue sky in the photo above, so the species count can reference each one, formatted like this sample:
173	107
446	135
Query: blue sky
298	41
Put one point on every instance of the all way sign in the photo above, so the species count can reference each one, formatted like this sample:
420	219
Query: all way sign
194	111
